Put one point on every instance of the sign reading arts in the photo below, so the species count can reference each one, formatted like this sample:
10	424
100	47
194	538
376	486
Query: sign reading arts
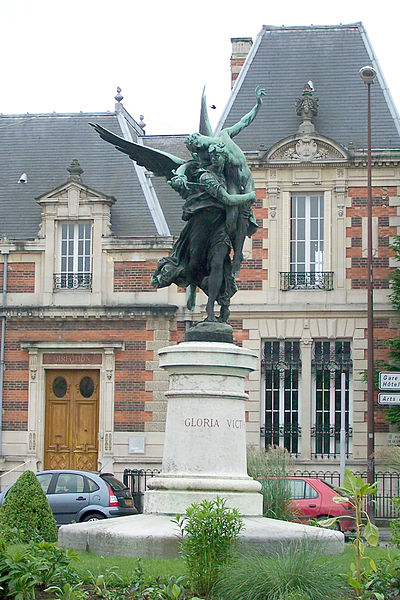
389	381
389	398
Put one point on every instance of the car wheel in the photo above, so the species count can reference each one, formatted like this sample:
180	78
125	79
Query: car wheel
93	517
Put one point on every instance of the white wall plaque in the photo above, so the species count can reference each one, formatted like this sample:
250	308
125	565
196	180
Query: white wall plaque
136	444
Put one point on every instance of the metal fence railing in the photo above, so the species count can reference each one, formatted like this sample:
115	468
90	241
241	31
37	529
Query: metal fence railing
388	487
136	481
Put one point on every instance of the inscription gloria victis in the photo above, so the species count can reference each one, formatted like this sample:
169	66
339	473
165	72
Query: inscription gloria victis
212	423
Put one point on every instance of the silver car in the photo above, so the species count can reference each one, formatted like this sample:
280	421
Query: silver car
76	496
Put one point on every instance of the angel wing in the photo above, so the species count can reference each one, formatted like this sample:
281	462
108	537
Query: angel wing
159	162
204	127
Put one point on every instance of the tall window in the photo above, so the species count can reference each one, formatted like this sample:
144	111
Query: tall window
330	360
75	256
306	244
307	234
282	366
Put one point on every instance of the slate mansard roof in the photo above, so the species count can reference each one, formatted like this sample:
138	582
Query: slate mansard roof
42	146
283	59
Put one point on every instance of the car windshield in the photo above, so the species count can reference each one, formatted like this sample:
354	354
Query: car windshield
338	492
114	483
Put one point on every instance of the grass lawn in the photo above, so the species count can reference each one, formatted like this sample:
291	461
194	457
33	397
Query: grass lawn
159	567
154	568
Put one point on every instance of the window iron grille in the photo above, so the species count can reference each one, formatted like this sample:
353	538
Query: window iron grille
335	357
281	356
326	441
307	280
281	365
286	436
72	281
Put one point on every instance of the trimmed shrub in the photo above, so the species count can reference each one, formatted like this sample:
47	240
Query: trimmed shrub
26	509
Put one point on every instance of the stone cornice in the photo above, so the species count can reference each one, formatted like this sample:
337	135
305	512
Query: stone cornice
83	312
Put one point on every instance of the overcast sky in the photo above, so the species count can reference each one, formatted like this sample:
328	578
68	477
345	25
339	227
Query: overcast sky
70	55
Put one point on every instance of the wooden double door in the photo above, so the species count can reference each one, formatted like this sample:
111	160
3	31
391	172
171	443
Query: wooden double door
72	417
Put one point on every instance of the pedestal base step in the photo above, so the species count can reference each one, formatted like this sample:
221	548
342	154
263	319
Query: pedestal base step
155	535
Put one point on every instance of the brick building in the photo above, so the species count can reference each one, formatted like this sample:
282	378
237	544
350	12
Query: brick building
83	227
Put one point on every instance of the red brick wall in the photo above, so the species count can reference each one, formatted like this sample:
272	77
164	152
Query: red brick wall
20	277
133	276
130	371
252	273
357	273
382	333
236	67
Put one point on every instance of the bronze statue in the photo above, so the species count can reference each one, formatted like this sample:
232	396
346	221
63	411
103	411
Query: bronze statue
218	190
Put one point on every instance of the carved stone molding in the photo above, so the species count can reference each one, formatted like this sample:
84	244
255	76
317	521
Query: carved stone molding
307	148
340	191
32	442
108	441
273	195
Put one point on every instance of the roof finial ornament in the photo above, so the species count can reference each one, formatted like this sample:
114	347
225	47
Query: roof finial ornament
119	97
75	170
307	108
141	122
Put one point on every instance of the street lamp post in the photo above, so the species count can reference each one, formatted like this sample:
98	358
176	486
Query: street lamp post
368	75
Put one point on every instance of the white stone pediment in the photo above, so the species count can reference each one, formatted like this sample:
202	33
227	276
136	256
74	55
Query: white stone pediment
75	190
306	148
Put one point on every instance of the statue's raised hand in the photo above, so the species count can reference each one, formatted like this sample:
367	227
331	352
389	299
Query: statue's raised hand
260	92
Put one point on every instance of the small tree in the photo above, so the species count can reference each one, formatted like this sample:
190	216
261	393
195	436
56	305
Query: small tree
26	509
210	534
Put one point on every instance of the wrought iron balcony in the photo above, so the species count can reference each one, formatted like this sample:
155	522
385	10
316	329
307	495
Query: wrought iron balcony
72	281
307	280
326	441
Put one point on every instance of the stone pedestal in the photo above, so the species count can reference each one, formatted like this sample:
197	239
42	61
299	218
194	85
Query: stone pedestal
204	457
205	436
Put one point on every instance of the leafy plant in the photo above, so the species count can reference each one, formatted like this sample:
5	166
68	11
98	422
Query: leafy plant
271	467
298	572
384	581
209	536
38	565
102	581
171	590
357	492
67	592
26	509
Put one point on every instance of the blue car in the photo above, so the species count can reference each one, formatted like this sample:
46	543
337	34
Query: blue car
76	496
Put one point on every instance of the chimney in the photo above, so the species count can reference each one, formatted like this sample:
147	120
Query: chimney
240	49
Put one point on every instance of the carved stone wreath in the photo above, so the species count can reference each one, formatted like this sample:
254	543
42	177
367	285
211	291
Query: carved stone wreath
306	149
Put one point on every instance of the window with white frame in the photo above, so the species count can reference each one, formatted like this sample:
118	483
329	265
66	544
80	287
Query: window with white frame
75	256
331	360
282	367
306	244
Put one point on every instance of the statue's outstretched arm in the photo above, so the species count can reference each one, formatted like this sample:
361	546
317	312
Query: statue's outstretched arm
213	186
235	199
249	118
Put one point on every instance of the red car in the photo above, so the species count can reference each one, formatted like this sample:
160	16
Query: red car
312	498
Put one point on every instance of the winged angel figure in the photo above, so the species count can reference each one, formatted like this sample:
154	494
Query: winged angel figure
218	190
